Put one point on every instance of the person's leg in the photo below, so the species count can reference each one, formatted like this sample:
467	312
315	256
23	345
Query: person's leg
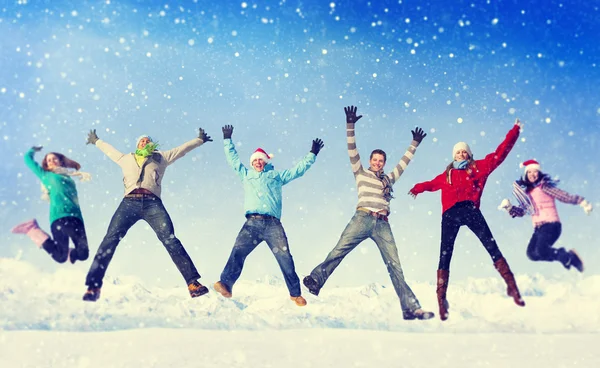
74	228
33	231
58	245
247	240
126	215
450	226
476	222
274	236
358	229
383	237
155	214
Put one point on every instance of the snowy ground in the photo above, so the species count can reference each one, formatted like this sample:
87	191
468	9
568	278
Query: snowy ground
44	323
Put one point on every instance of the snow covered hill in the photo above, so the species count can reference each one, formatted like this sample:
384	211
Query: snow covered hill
34	300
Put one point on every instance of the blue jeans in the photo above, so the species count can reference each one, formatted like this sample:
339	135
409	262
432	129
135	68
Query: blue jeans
130	211
253	232
364	226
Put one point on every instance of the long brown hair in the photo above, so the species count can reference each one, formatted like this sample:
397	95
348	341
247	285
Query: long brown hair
64	161
470	166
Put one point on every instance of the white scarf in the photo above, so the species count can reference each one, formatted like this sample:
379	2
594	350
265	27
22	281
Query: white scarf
83	177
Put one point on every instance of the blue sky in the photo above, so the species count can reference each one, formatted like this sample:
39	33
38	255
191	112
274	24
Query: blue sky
281	73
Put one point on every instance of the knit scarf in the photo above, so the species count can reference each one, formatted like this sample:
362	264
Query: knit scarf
460	165
83	177
387	186
147	150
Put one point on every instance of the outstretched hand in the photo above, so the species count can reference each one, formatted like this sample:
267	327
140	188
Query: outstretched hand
202	135
317	145
412	193
587	206
418	134
92	137
37	148
227	131
351	117
518	123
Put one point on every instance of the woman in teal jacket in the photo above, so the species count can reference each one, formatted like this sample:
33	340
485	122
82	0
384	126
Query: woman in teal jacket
65	215
262	204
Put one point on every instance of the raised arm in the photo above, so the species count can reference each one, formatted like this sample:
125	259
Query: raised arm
32	163
351	120
176	153
418	136
304	164
108	150
494	159
231	154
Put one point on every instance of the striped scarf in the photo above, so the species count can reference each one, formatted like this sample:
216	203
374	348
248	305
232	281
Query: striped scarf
387	186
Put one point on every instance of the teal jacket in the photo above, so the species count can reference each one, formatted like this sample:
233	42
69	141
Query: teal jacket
62	191
262	190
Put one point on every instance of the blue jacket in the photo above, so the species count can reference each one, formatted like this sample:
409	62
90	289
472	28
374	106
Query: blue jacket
262	190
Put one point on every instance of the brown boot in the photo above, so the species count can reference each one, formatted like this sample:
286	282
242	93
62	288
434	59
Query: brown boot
442	287
512	289
222	289
299	300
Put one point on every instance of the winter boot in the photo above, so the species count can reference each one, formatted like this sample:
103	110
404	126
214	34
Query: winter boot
576	260
312	285
222	289
512	289
299	300
417	314
196	289
442	287
92	294
33	231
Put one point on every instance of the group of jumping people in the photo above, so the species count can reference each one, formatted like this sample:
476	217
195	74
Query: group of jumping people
461	183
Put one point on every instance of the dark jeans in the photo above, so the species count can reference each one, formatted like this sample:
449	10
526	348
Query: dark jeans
130	211
540	245
58	246
254	231
363	226
465	213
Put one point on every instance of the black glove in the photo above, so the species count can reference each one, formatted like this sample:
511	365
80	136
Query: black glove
418	134
92	137
316	146
351	117
202	135
37	148
227	131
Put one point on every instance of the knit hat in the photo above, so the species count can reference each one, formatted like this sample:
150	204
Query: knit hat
137	141
530	165
461	146
260	153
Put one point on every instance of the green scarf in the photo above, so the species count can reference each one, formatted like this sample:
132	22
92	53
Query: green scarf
147	150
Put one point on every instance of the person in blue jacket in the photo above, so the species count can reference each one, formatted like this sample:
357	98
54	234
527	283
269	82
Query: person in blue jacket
262	203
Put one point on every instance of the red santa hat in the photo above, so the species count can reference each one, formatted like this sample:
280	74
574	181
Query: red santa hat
530	165
260	153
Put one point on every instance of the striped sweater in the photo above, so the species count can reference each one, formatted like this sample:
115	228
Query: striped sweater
369	187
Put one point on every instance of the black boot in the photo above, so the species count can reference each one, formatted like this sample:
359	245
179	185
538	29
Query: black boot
576	260
312	285
92	294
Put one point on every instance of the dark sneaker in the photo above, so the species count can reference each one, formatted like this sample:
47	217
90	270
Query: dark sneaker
312	285
576	260
196	289
91	295
222	289
418	314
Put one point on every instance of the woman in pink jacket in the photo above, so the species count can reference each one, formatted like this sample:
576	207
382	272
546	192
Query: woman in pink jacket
537	194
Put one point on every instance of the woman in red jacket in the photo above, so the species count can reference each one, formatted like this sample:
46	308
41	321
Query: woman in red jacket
462	185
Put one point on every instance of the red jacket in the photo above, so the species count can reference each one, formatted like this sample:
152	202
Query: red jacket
464	186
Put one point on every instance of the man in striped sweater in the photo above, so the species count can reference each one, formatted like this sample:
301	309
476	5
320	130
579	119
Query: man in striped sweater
374	188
